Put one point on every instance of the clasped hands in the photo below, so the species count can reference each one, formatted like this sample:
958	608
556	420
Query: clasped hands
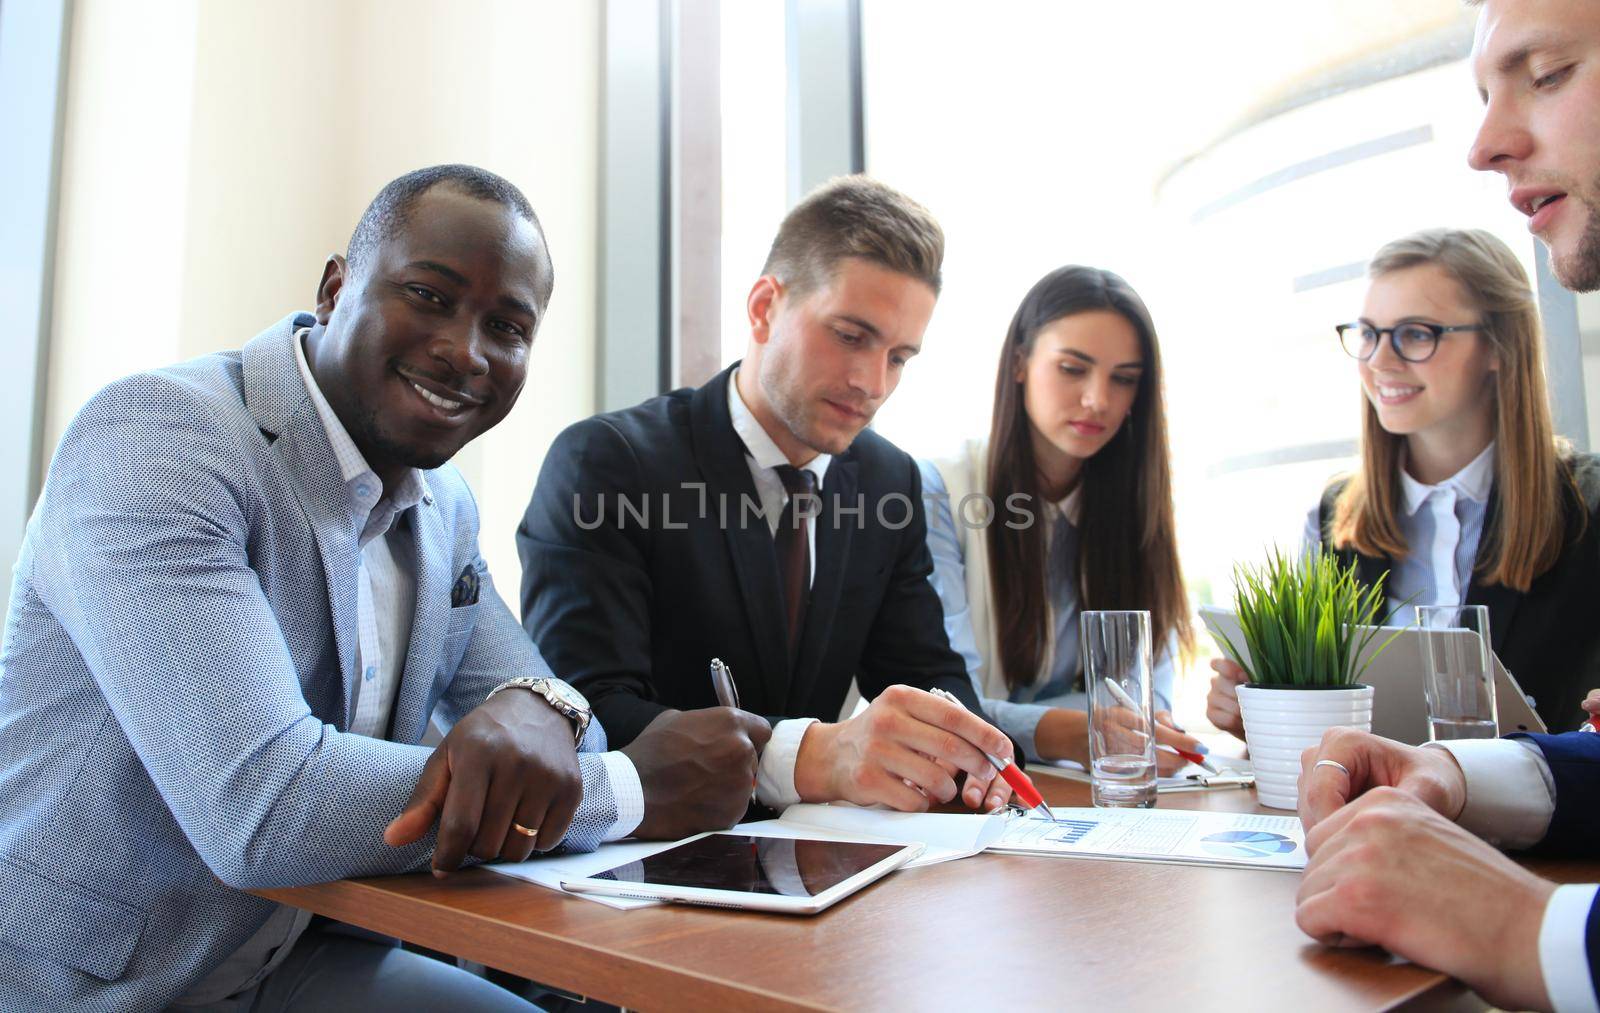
1390	867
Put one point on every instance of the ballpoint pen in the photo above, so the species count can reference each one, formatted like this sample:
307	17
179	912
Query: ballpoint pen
722	684
1019	782
1126	700
1194	758
727	693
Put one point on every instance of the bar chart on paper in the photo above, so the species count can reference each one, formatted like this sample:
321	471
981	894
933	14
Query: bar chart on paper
1238	840
1073	831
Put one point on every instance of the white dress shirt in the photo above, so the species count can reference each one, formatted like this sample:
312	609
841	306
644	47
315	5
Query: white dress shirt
1510	800
775	775
1442	524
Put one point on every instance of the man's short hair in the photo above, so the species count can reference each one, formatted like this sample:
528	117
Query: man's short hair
855	216
391	209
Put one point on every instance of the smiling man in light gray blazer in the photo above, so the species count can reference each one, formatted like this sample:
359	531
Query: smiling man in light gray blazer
249	582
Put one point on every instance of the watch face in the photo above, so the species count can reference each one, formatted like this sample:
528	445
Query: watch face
567	695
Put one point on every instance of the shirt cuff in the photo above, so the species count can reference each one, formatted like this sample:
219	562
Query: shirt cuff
627	791
775	776
1510	794
1564	950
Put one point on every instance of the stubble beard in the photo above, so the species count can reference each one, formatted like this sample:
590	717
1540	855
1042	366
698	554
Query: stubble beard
368	432
1581	271
791	409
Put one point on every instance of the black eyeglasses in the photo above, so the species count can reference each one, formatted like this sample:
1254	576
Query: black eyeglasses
1413	342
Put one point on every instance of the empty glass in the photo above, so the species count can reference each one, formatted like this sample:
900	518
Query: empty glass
1116	674
1457	671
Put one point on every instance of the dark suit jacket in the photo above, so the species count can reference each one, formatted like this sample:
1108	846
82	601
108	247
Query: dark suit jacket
1574	759
632	609
1548	637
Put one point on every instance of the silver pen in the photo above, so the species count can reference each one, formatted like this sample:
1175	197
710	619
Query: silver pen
722	683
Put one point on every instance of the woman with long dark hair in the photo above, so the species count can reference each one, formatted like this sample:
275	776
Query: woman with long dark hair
1464	494
1066	506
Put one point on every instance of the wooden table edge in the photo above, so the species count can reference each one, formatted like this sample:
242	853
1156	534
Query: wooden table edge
603	973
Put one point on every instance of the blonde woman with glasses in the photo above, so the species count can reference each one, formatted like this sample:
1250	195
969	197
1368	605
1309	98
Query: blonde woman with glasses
1464	494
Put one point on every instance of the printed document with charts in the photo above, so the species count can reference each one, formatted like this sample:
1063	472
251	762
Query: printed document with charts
1234	840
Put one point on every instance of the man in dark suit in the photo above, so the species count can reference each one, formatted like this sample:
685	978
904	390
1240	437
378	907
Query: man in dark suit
757	520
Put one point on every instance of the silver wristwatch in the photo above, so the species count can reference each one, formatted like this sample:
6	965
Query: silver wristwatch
567	701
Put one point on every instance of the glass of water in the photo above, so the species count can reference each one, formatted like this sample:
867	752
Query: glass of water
1457	671
1122	739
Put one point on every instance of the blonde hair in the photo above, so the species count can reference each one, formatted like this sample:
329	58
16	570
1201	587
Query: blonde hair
1526	527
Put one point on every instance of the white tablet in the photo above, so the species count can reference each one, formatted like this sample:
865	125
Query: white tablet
787	875
1399	702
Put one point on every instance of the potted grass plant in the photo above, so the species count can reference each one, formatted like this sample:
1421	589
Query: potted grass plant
1307	624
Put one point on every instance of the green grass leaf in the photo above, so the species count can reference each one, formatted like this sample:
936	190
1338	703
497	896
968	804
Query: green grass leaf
1302	619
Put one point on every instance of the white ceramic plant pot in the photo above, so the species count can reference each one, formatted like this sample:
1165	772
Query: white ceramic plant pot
1281	723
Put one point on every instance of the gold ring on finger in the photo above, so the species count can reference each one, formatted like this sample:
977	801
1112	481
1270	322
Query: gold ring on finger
524	831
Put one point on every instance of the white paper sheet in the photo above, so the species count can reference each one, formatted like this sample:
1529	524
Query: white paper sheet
1235	840
945	836
551	870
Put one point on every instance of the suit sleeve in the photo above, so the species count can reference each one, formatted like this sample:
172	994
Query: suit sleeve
586	585
907	642
142	545
499	650
1574	761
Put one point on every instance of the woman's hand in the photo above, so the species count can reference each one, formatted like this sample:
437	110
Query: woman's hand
1063	734
1169	734
1222	703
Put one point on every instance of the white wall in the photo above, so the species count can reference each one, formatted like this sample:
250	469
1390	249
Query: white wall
216	153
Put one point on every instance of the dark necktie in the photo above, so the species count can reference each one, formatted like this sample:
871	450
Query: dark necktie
794	548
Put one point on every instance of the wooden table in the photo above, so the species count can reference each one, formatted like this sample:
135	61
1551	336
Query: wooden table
989	932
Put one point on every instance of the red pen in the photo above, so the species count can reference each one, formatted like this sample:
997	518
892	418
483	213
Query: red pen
1021	785
1200	761
1008	771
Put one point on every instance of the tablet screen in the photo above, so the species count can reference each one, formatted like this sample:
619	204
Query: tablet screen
743	864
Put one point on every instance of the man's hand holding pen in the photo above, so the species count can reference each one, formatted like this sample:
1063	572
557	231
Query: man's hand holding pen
896	753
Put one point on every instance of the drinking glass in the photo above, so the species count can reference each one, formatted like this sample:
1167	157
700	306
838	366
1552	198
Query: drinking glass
1457	671
1122	739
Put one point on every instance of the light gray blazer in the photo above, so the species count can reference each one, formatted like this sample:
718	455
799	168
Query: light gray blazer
178	672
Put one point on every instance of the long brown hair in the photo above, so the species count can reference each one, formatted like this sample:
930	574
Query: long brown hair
1127	544
1526	530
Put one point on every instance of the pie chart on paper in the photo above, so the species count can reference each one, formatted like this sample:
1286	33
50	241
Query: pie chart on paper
1247	844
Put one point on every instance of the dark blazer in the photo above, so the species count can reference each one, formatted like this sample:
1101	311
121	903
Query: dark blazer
632	605
1574	759
1548	637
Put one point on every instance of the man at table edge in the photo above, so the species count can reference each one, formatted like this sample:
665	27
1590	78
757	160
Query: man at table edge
1397	834
249	582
